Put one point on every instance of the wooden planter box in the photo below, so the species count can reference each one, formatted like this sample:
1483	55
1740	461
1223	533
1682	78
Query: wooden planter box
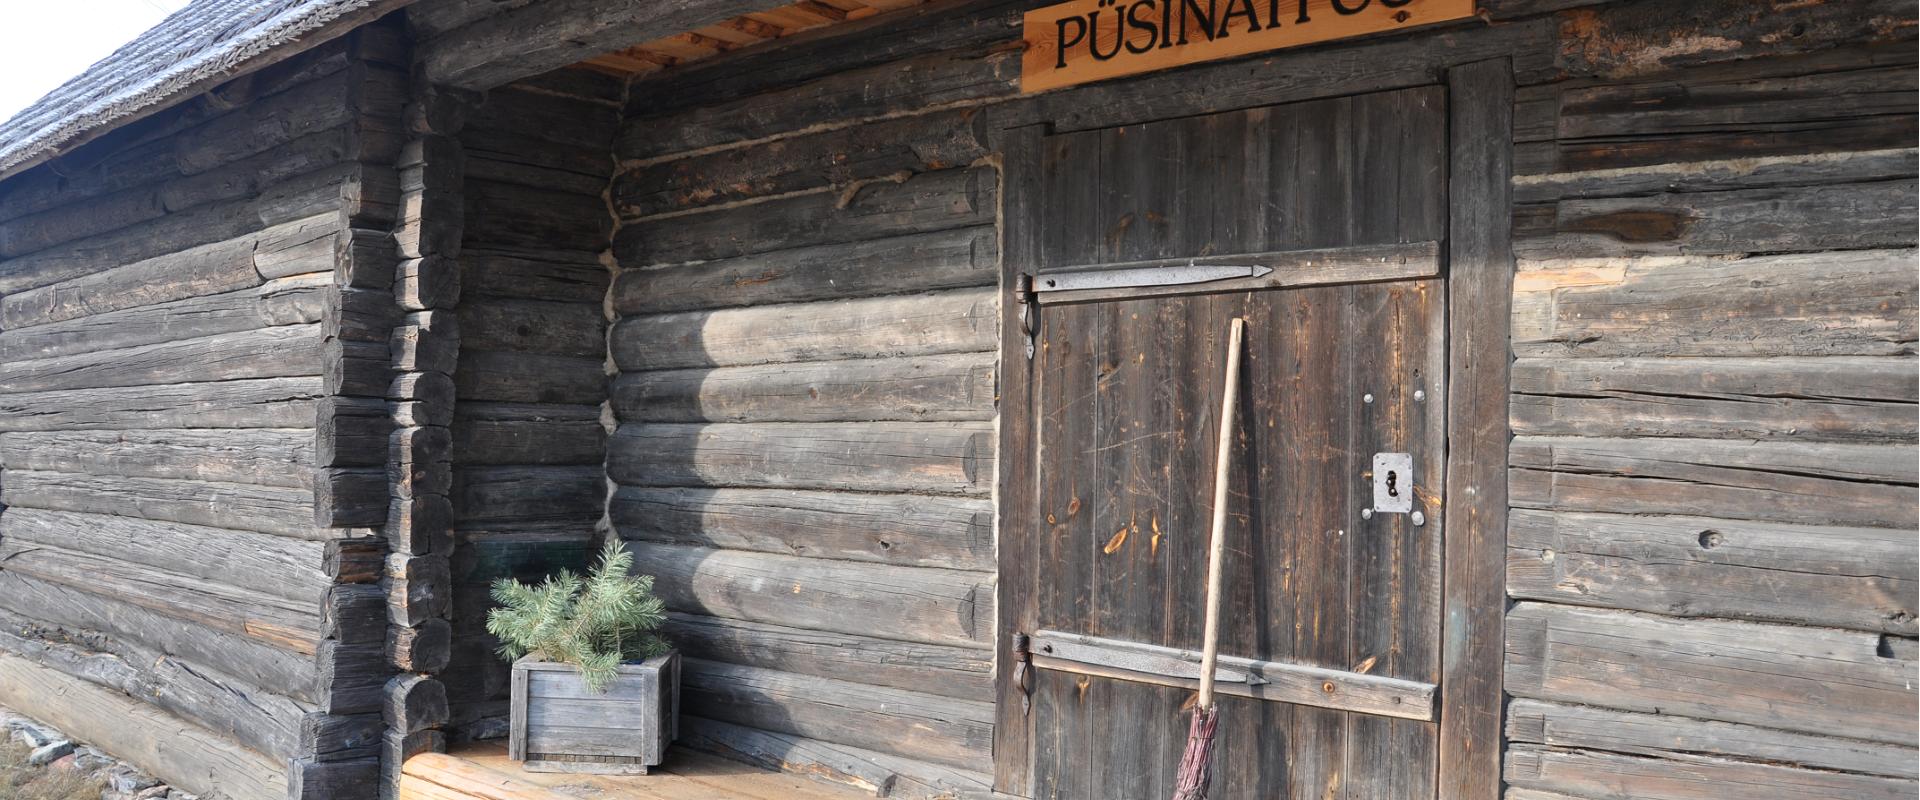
559	725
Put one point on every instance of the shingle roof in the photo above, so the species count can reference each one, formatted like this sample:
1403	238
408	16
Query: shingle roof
206	42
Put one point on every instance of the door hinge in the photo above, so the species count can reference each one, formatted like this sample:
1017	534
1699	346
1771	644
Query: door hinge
1023	672
1029	314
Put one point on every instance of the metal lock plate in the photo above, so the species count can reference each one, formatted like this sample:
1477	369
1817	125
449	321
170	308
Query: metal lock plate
1392	483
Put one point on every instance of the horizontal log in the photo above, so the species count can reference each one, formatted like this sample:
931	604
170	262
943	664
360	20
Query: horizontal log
426	283
352	431
1768	220
943	730
266	722
836	157
806	56
506	215
489	434
957	672
292	569
1710	174
910	530
930	201
279	352
1666	736
1816	483
1841	399
509	377
494	159
290	624
300	247
1645	38
183	755
530	110
267	509
578	83
319	149
418	588
1809	680
954	321
415	703
955	387
285	101
312	779
105	623
871	771
425	648
963	76
356	368
534	326
424	341
927	457
933	606
553	35
1859	578
263	456
528	493
1822	304
295	199
260	403
1843	99
546	274
352	677
209	269
949	259
1602	774
513	156
102	325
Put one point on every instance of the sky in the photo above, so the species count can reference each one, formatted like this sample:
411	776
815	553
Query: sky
45	42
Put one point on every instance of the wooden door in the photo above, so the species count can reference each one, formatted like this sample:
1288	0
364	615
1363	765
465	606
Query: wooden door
1332	609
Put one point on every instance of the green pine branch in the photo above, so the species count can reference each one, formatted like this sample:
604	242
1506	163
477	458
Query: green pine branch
594	622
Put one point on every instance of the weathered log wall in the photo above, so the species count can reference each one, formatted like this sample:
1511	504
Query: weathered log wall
805	345
1713	399
527	443
194	323
1712	543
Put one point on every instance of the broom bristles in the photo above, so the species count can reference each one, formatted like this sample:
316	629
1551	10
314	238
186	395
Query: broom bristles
1196	765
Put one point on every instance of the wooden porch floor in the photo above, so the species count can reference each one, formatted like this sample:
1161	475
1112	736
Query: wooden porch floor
482	771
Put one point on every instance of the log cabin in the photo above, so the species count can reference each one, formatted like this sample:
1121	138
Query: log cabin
317	316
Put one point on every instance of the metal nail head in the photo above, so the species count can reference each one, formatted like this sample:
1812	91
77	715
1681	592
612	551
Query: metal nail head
1366	513
1367	398
1419	519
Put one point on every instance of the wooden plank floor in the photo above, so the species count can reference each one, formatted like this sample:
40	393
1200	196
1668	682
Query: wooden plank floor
482	771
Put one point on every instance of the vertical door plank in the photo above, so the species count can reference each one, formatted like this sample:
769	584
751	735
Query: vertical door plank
1020	227
1068	490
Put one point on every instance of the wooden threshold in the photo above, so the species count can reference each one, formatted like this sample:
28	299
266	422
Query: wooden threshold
482	771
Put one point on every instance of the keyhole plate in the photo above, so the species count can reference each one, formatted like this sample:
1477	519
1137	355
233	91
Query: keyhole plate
1392	483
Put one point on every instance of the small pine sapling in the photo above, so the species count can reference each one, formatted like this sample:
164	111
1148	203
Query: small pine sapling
594	622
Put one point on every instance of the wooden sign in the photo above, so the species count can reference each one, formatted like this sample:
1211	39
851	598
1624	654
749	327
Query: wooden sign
1089	40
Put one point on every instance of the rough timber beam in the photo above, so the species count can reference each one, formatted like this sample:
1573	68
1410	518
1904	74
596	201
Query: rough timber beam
547	35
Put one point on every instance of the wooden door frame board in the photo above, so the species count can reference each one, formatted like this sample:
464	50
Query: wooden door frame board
1479	308
1479	363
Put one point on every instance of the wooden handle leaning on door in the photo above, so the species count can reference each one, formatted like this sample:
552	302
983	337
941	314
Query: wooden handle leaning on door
1217	543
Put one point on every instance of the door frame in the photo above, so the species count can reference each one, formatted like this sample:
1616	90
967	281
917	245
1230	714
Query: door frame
1480	82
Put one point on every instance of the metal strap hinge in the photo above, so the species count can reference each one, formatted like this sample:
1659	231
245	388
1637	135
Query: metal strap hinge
1159	275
